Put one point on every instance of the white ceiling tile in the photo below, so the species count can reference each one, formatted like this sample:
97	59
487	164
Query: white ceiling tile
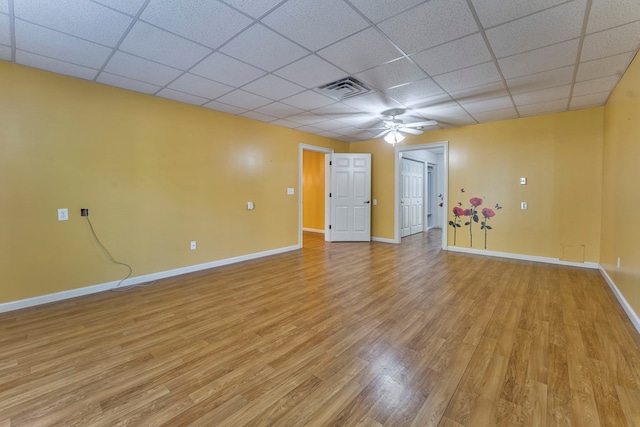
607	14
79	18
308	100
199	86
430	24
429	101
225	108
273	87
358	120
611	65
477	75
278	109
379	10
132	7
273	51
552	26
44	63
5	32
478	93
208	22
4	6
226	70
258	116
42	41
307	118
542	95
544	108
603	84
286	123
375	102
330	125
611	42
592	100
361	51
484	105
182	97
5	53
241	99
315	24
136	68
161	46
495	115
335	109
495	12
328	134
445	111
543	80
544	59
311	72
392	74
461	53
127	83
254	8
411	93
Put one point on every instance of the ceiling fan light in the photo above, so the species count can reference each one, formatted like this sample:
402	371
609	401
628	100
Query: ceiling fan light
394	137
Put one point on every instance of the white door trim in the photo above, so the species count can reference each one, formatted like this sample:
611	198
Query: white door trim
443	218
301	148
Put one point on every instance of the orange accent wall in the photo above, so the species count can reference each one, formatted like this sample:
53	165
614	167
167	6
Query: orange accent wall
313	191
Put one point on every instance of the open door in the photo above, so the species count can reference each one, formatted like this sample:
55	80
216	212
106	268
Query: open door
350	198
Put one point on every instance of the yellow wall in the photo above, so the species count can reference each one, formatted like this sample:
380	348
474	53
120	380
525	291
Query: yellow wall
621	195
559	154
313	190
154	173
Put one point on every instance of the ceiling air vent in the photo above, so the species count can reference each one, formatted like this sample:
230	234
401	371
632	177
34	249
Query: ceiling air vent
345	88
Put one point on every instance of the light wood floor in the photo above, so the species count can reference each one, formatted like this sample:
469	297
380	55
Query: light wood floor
343	334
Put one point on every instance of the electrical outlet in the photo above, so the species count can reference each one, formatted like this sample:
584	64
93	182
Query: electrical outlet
193	245
618	263
290	191
84	212
63	214
524	206
523	181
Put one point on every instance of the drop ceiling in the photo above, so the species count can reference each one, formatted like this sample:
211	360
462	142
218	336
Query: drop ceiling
459	62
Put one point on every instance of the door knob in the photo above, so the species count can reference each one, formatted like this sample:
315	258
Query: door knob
367	201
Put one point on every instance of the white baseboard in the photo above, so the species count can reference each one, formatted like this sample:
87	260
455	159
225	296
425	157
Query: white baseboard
72	293
382	240
633	316
547	260
313	230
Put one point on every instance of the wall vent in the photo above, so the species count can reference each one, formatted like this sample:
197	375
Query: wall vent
345	88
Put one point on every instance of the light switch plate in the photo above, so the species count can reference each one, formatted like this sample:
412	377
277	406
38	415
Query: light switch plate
290	191
523	181
250	206
63	214
524	206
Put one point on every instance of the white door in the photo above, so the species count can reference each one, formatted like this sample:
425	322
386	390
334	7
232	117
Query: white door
412	200
351	198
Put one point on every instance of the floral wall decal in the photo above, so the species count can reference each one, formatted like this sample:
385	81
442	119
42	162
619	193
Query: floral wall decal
472	214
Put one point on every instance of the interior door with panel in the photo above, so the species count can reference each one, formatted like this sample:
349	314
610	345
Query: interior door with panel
350	198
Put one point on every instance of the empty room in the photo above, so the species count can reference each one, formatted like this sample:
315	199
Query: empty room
320	213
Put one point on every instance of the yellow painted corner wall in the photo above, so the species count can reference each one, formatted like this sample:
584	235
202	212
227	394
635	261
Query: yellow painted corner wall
313	192
154	173
621	186
559	154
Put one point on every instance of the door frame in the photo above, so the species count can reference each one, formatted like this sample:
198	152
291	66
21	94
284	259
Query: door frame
327	186
443	219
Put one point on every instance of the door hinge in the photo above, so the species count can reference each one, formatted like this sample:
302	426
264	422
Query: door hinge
329	194
329	227
330	163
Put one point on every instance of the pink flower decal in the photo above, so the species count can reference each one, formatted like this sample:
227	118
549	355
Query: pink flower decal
475	201
488	213
468	212
457	211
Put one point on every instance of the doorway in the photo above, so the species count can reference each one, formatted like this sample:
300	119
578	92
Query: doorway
434	155
317	174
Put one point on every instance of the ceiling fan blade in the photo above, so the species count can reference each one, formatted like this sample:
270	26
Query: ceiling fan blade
411	131
418	124
383	133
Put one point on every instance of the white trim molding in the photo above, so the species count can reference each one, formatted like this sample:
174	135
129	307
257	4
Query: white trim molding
534	258
633	316
382	240
72	293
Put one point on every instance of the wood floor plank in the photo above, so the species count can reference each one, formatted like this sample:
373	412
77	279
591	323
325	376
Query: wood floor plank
343	334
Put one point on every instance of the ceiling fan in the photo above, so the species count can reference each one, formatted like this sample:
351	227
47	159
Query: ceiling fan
395	128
